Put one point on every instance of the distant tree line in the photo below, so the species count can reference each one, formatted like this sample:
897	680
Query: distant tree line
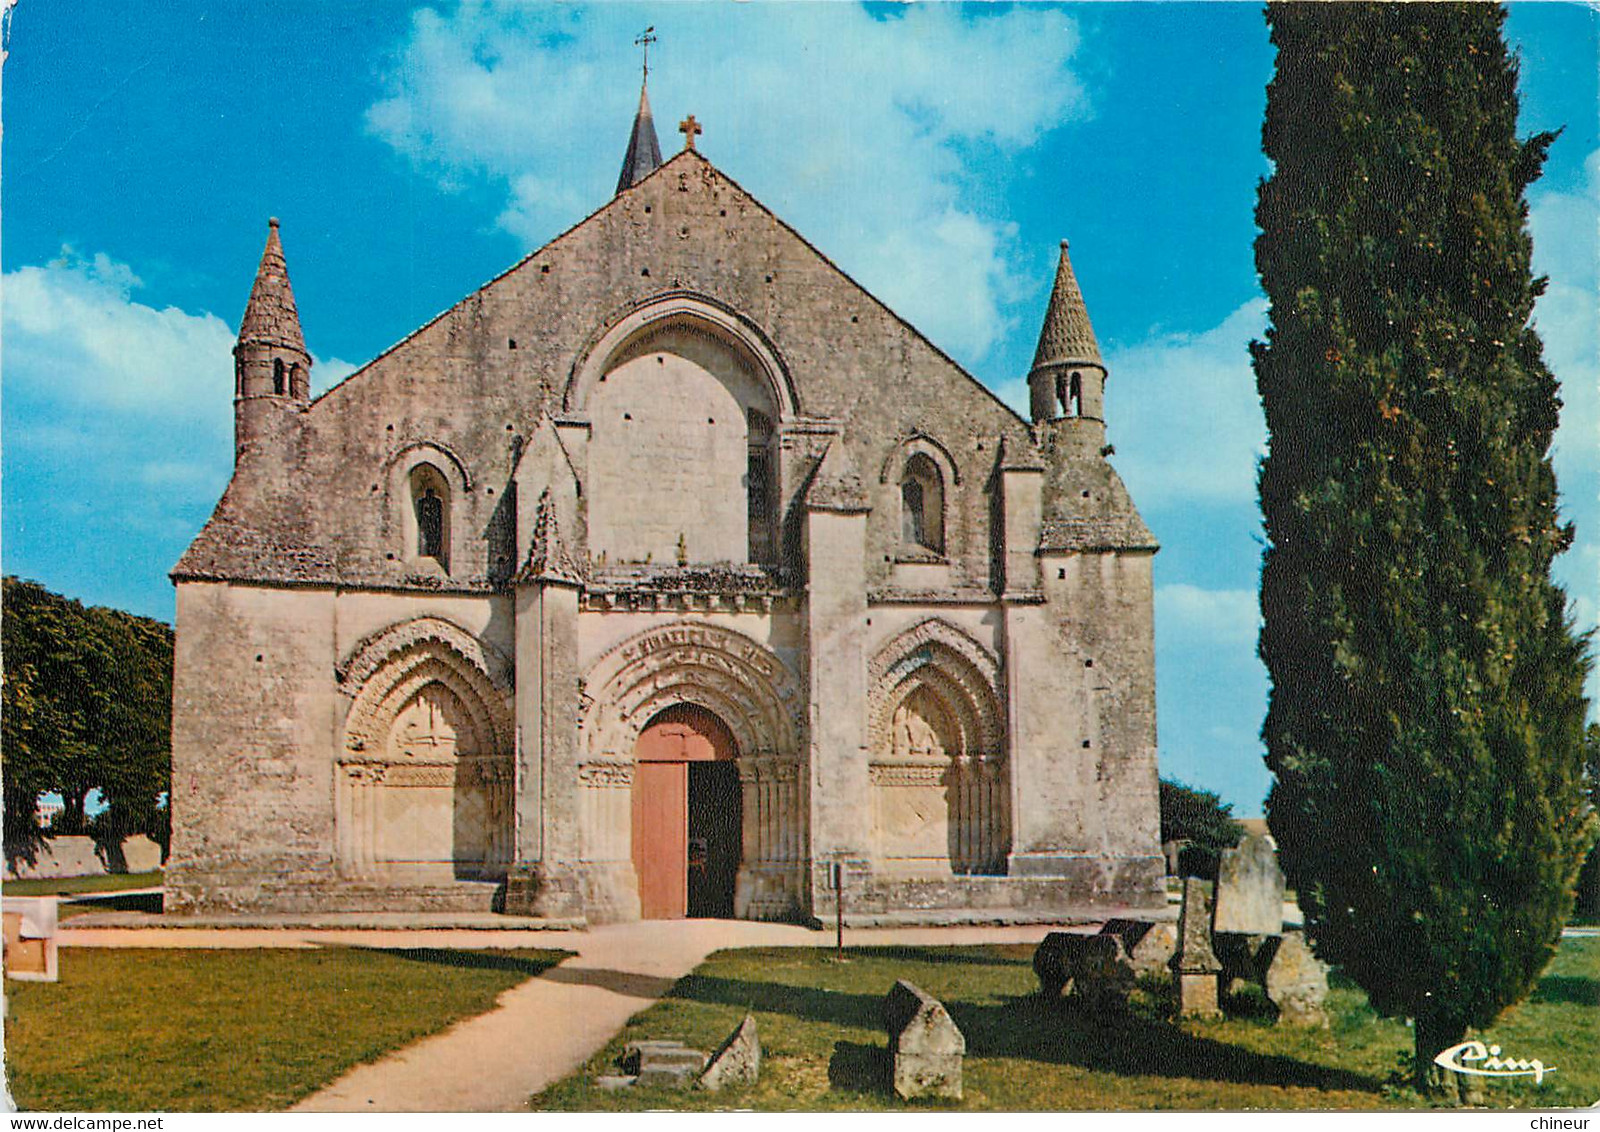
1202	819
85	704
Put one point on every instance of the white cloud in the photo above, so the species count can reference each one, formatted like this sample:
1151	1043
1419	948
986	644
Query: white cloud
1191	401
108	388
883	137
1191	617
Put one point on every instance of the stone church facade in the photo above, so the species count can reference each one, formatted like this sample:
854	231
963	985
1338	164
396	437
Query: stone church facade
659	577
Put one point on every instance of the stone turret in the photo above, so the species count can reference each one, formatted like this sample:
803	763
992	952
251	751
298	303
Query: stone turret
1068	379
644	149
272	369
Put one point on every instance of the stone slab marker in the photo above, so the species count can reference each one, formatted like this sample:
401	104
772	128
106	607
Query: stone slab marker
1297	982
924	1043
738	1062
1250	889
1195	964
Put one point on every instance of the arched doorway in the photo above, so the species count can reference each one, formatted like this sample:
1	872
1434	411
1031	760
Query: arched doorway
687	823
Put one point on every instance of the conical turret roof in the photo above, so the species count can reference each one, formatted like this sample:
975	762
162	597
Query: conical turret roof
1067	337
644	150
271	318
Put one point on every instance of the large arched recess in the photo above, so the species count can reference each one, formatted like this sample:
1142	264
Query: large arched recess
685	400
746	686
936	741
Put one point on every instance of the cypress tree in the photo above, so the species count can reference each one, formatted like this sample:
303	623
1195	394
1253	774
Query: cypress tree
1426	717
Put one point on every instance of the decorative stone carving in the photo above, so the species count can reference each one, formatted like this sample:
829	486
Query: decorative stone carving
940	803
425	794
925	1045
751	691
379	647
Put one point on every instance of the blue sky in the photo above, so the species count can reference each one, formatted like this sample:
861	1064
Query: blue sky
938	153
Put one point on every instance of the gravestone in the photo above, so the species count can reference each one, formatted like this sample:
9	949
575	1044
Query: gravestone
1297	982
1148	945
1103	976
1250	889
1055	961
1195	964
925	1045
738	1062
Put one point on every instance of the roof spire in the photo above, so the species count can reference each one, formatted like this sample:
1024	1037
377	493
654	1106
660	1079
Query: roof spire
270	317
644	150
1067	338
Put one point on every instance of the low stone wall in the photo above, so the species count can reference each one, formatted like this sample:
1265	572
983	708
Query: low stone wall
61	857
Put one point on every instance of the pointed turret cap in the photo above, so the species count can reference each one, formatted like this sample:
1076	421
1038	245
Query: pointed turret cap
271	318
644	150
549	562
1067	337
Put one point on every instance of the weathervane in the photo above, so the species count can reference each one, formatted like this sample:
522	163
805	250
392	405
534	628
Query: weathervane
644	40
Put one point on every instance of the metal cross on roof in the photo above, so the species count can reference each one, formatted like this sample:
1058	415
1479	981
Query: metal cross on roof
644	39
689	128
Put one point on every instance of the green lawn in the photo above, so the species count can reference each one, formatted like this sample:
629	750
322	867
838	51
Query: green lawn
74	886
184	1030
824	1043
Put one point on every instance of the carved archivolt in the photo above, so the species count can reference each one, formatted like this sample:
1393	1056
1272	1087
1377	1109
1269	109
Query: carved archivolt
374	650
962	673
389	670
741	681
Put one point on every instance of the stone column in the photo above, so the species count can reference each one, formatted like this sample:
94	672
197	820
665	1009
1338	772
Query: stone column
836	618
545	876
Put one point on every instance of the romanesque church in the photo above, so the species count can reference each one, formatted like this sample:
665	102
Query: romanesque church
668	574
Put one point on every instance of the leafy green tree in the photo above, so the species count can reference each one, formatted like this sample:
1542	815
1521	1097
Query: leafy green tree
1200	818
1426	717
87	705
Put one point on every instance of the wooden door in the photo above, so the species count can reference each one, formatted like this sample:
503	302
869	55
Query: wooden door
661	838
669	744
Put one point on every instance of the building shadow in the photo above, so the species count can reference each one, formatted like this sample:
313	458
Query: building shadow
471	960
630	984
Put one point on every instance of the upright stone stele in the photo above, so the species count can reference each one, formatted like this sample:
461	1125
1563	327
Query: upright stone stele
738	1062
1250	888
924	1043
1195	964
1297	982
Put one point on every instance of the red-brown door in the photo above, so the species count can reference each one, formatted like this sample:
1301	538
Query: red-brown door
661	838
668	745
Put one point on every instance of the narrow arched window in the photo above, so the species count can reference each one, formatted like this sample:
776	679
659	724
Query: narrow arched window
278	376
430	524
922	505
296	381
759	488
430	514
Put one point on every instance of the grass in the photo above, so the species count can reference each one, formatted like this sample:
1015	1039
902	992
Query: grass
75	886
183	1030
824	1045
